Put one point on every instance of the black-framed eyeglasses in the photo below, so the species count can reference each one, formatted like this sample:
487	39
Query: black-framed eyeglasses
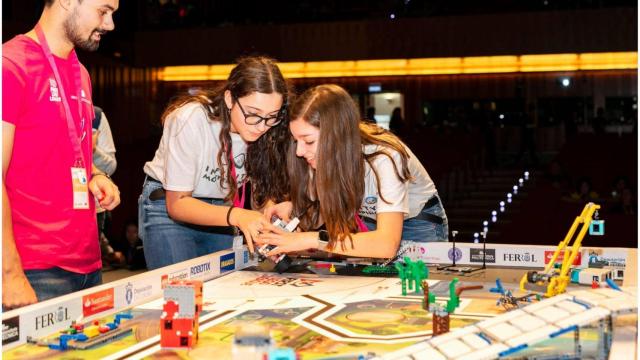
255	119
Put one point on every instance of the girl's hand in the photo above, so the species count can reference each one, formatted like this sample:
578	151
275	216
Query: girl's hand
250	223
286	242
282	210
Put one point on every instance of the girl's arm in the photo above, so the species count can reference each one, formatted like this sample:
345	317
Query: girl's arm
181	206
380	243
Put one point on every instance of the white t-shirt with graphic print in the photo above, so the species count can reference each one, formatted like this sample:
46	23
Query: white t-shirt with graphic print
187	158
408	197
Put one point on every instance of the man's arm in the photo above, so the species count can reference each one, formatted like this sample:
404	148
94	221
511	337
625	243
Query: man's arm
16	290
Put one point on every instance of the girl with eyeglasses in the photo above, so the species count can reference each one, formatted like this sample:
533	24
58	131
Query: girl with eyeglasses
221	154
356	180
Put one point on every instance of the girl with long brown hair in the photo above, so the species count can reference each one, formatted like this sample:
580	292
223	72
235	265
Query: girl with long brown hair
213	144
343	170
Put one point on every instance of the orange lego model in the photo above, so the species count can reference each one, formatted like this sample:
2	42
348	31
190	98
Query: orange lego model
180	313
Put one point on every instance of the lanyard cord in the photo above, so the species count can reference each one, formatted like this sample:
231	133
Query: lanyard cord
76	141
237	200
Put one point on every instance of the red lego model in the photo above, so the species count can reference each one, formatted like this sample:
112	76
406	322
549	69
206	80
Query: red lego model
181	310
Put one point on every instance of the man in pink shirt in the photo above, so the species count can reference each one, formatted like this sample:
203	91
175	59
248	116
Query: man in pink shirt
49	233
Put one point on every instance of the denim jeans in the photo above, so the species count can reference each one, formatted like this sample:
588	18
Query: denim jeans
419	230
166	241
54	282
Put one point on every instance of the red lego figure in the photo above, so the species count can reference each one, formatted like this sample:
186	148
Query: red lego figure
181	310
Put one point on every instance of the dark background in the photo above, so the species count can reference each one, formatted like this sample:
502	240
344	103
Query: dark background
453	140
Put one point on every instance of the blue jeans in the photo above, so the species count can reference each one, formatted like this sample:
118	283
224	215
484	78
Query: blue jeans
420	230
54	282
168	242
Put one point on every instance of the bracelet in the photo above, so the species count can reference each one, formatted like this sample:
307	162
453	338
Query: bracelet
323	240
101	173
229	214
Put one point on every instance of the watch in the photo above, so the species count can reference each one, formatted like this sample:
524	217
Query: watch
323	240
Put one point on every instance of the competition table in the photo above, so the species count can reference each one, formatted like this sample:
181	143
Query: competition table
320	316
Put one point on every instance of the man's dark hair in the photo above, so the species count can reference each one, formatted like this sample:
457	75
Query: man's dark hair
48	3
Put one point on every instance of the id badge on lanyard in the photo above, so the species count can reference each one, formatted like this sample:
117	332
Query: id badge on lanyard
79	179
80	187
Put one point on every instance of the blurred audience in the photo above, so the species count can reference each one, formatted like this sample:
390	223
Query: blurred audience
622	200
584	191
131	246
627	204
371	115
104	159
396	123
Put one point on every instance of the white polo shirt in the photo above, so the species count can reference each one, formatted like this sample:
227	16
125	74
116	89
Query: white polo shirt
408	197
187	158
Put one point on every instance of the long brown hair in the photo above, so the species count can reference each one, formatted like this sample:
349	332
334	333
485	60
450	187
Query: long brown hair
333	192
251	74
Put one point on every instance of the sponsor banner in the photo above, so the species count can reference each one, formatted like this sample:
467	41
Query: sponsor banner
520	256
45	321
454	254
10	330
136	292
182	274
200	270
604	257
228	262
98	302
421	251
245	257
470	254
548	255
487	256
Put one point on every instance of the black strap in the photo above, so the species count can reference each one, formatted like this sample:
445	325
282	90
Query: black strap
429	217
432	202
159	193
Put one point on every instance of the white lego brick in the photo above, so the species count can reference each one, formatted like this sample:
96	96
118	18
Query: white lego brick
454	348
532	337
610	293
589	297
429	353
527	322
485	354
584	318
571	306
475	341
621	305
503	331
457	333
499	319
532	308
551	314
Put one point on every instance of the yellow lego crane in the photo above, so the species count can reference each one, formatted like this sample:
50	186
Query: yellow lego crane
553	281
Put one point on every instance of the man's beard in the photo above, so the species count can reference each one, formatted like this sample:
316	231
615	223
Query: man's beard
71	31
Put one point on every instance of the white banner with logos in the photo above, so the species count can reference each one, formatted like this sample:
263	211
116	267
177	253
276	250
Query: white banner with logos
527	256
53	315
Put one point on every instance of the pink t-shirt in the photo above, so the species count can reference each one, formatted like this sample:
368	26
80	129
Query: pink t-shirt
48	231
